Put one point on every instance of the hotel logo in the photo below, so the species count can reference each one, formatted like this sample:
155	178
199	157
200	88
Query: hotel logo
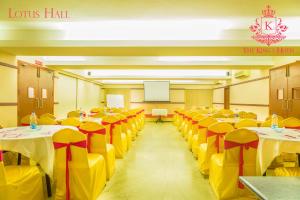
268	29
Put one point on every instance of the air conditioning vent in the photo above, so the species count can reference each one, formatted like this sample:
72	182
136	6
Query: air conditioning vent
242	74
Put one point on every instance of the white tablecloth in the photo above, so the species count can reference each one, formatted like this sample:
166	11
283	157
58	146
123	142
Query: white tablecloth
274	142
35	144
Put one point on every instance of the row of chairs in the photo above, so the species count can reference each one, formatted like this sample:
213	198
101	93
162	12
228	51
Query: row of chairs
84	159
224	151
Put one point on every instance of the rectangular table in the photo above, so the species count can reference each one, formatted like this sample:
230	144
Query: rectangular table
160	113
273	142
273	187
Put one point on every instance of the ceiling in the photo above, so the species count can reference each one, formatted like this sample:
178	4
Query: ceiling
146	35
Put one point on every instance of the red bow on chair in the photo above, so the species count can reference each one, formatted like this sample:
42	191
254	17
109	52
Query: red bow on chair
218	135
296	127
90	134
230	144
58	145
194	122
1	156
199	127
112	126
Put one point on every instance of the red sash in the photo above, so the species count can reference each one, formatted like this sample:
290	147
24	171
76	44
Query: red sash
199	127
58	145
194	122
112	126
90	134
124	120
217	141
24	124
1	156
230	144
296	127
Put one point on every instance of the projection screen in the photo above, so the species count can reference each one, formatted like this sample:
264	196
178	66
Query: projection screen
157	90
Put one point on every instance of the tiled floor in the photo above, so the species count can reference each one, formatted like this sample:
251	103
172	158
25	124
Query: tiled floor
159	166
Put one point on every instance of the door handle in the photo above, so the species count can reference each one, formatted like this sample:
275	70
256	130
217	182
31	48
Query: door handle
38	102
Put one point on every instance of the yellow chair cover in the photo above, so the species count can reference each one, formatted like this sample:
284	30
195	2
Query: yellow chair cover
96	134
87	172
225	112
116	137
187	122
268	123
130	125
200	137
280	118
47	121
290	171
194	129
291	122
219	115
48	115
25	121
246	123
20	182
124	129
214	144
74	114
225	168
71	122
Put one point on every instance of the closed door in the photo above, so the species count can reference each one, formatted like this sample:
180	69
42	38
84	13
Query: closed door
46	96
27	89
278	91
294	90
226	98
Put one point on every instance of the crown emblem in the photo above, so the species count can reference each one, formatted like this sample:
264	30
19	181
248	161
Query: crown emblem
268	12
268	29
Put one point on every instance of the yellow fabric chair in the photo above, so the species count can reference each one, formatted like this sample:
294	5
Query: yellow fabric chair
194	129
280	118
98	115
246	123
189	126
72	121
130	125
200	136
215	144
124	129
47	121
225	168
247	115
96	135
290	171
187	122
116	137
219	115
291	122
48	115
268	123
225	112
20	182
134	121
74	114
77	174
25	121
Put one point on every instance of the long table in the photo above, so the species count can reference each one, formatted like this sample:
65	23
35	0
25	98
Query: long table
273	142
272	187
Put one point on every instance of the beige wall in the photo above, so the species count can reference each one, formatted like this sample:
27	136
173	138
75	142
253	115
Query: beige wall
72	93
8	91
252	96
180	96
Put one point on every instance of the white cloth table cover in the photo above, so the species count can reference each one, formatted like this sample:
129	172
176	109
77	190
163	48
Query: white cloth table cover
35	144
274	142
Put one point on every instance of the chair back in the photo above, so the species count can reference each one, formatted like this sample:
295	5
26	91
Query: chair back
248	115
291	122
202	128
2	170
25	121
47	121
51	116
215	136
72	121
268	123
96	136
74	114
112	126
71	163
280	118
219	115
225	111
246	123
240	148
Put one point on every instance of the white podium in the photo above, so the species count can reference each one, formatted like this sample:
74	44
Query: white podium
160	113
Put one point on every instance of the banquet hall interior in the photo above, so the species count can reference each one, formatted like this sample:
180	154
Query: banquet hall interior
143	99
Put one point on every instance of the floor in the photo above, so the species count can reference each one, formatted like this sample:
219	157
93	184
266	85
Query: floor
159	166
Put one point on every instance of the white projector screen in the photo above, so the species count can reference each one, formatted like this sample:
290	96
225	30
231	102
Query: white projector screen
157	90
